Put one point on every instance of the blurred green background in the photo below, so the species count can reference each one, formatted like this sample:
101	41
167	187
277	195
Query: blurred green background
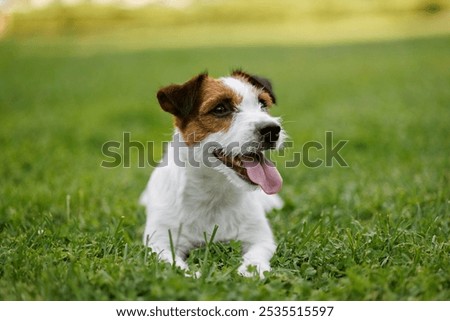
130	24
75	74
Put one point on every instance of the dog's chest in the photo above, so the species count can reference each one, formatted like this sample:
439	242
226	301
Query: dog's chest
201	213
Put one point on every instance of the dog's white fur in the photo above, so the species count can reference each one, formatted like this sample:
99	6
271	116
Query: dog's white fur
189	201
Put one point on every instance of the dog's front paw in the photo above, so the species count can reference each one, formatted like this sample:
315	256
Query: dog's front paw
249	269
194	275
187	272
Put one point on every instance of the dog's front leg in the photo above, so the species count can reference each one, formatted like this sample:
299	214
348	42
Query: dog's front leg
257	252
160	244
166	256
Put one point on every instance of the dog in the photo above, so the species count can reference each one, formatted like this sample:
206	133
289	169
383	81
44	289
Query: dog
214	172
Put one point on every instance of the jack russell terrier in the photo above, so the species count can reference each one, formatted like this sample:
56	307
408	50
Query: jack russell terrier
217	174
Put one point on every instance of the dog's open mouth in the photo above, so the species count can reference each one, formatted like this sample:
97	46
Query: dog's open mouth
254	168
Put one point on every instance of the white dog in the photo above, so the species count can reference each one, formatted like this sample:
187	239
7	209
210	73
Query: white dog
214	171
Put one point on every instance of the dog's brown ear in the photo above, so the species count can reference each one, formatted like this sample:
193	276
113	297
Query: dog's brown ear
180	100
257	81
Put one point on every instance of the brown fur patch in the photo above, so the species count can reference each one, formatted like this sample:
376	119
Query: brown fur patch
204	122
181	100
192	102
265	97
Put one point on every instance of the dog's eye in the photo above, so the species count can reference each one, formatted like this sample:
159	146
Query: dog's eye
222	110
262	104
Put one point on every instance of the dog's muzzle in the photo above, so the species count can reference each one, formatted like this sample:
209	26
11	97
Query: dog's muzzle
254	168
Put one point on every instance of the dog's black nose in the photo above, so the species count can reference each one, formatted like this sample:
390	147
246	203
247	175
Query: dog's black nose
270	133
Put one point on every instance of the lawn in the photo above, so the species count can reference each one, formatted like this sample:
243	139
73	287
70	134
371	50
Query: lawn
375	230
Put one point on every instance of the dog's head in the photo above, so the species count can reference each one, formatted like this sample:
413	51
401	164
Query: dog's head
228	120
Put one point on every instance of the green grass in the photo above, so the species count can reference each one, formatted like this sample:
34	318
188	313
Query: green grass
377	230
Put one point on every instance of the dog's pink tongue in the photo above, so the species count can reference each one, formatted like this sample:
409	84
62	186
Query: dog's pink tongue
265	174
